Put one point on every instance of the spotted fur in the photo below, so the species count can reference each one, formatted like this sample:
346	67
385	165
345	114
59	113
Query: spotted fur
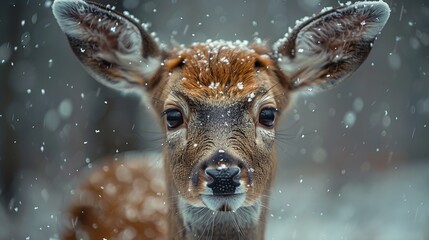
219	102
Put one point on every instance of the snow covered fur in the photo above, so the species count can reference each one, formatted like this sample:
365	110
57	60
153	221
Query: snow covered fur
219	103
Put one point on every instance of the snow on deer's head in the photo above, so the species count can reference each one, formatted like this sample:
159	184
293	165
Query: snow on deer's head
220	101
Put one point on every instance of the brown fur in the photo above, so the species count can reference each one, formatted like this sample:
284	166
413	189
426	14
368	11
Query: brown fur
220	90
216	72
122	199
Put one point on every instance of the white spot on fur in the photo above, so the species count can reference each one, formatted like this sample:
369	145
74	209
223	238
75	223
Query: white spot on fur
123	174
110	189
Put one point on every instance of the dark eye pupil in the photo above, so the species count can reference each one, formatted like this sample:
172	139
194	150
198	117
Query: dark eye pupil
267	117
174	118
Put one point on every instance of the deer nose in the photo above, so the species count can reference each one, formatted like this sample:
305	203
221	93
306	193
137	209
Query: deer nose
223	180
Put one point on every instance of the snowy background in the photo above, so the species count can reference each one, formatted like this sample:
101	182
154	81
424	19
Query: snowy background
354	161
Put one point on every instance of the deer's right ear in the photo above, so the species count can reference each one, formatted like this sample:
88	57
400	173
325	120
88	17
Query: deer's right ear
114	48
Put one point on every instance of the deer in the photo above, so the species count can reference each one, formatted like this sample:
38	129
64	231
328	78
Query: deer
218	104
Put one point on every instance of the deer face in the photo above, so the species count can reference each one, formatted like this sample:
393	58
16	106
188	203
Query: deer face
220	101
221	108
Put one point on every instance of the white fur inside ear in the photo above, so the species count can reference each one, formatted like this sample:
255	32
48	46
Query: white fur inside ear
116	40
64	10
131	72
374	15
379	11
84	21
336	36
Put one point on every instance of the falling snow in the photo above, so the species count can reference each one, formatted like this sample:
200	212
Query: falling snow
366	160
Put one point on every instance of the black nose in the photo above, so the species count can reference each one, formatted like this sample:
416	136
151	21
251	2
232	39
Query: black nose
223	180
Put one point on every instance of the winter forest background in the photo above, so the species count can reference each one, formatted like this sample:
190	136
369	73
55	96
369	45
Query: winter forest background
353	161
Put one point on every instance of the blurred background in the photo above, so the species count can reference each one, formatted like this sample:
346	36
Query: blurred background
354	161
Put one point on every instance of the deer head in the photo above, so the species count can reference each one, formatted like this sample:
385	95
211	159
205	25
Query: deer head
219	102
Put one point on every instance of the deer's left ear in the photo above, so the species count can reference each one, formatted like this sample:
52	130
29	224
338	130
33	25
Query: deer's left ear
325	49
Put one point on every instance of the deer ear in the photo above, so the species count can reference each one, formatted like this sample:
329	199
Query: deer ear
323	50
114	48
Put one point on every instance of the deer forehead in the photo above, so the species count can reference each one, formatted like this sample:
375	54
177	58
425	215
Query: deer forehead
221	71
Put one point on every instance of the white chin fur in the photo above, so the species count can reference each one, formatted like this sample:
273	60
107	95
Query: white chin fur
232	202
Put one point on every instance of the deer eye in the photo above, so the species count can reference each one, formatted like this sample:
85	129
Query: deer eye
174	118
267	116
